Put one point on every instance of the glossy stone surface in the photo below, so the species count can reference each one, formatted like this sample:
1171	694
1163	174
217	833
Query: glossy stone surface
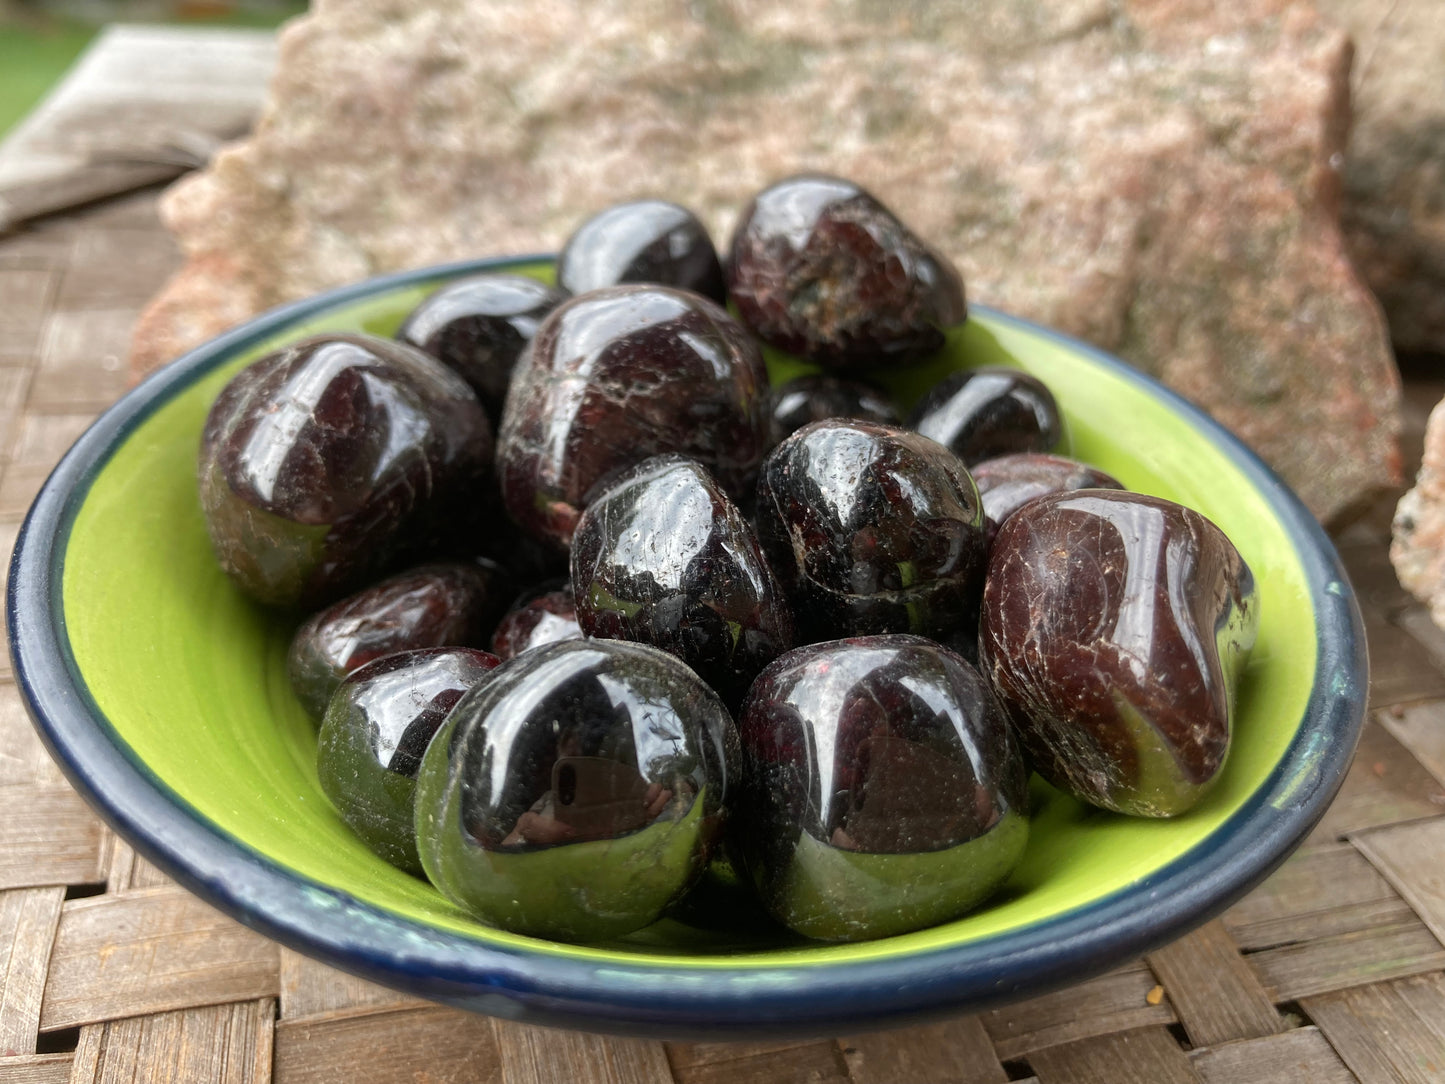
1008	482
618	375
479	327
1115	627
662	556
327	461
821	269
377	728
647	240
445	604
547	618
882	789
872	529
815	398
578	792
989	412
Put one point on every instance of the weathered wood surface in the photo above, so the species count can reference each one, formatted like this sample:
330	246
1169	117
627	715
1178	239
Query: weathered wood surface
1332	971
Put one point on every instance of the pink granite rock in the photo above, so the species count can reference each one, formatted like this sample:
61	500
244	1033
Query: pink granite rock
1418	548
1394	173
1157	176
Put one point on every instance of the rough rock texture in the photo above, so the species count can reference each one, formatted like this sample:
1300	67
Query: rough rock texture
1157	176
1394	174
1418	548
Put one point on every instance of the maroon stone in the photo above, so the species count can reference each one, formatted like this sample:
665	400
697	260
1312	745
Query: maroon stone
1114	629
546	619
1009	482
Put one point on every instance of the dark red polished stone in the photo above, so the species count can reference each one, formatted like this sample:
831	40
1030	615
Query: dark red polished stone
816	398
449	603
882	789
1114	630
1008	482
662	556
984	413
547	618
618	375
479	327
647	240
823	270
329	461
578	792
376	730
871	529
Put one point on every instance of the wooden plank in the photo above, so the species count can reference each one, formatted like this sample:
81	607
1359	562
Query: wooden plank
36	1069
1303	1054
1353	959
14	384
27	294
690	1055
1319	892
1373	577
1114	1002
530	1055
1415	622
117	268
151	951
1385	785
23	759
47	837
82	360
28	918
1401	669
958	1051
1392	1031
224	1044
1412	858
41	439
1420	728
1216	995
809	1063
422	1045
309	988
1145	1056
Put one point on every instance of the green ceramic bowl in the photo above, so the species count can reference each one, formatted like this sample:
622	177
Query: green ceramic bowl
163	693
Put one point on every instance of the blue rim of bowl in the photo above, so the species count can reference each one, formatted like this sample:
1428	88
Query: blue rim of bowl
669	1001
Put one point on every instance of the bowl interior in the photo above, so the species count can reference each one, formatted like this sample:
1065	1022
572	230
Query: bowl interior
191	676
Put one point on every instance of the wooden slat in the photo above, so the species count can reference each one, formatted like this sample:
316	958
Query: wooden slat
1392	1031
82	361
1320	892
1385	785
14	384
23	758
414	1045
41	440
28	920
1420	728
151	951
1216	995
148	255
219	1044
683	1056
530	1055
958	1051
1146	1056
35	1069
1113	1002
1401	669
813	1063
309	988
1412	858
1303	1055
48	836
1353	959
27	294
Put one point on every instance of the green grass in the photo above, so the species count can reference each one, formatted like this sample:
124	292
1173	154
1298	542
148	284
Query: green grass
32	58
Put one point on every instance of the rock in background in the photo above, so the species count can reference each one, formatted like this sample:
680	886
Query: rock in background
1160	177
1394	175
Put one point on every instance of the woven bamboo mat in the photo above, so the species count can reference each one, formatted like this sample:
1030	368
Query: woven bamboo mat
1332	972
